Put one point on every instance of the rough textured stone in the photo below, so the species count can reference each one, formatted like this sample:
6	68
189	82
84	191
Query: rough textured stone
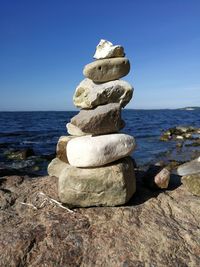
92	151
61	147
89	94
55	167
152	230
104	70
74	130
190	167
106	49
162	178
100	120
192	183
111	185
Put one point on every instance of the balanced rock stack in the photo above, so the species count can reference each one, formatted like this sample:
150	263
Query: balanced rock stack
93	164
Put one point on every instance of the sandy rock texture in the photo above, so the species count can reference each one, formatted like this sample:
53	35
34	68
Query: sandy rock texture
100	120
110	185
109	69
153	229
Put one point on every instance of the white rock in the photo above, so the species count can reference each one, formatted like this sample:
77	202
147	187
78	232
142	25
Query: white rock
93	151
106	49
55	167
89	94
190	167
74	130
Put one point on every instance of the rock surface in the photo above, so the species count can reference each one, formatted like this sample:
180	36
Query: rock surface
100	120
93	151
190	167
152	230
61	147
111	185
89	94
55	167
106	49
104	70
192	183
74	130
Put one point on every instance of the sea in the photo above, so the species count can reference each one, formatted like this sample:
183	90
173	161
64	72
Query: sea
41	130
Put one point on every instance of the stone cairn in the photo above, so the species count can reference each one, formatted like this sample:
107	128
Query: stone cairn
93	163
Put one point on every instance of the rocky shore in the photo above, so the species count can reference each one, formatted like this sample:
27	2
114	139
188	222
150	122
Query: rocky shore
155	228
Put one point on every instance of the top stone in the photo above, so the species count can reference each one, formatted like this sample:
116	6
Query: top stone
106	49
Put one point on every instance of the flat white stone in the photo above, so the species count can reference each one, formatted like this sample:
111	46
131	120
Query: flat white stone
74	130
93	151
190	167
106	49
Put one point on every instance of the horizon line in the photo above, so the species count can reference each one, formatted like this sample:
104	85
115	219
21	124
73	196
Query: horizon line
73	110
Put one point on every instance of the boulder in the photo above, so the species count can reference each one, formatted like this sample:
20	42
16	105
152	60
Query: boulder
106	49
61	147
55	167
192	183
89	94
93	151
111	185
190	167
100	120
151	230
74	130
109	69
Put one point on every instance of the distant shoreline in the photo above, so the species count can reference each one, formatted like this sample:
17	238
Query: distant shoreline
74	110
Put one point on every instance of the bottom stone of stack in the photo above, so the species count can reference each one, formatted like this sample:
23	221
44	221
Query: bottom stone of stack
110	185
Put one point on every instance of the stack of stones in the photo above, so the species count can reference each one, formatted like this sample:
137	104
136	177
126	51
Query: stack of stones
93	163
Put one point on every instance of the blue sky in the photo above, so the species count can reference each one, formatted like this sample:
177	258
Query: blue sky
44	45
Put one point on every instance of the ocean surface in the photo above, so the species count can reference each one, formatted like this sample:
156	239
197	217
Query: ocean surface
41	130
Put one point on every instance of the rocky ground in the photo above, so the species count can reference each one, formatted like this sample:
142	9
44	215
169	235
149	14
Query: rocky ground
156	228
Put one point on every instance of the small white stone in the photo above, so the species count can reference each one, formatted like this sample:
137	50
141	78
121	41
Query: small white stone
74	130
106	49
93	151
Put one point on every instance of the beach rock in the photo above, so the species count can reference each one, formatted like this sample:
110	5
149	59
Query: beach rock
19	154
192	183
106	49
36	231
93	151
104	70
55	167
100	120
89	94
74	130
61	147
190	167
111	185
162	178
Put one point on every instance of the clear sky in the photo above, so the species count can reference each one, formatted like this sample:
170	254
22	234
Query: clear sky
44	45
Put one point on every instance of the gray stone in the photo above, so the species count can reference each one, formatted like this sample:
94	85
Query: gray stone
192	183
190	167
55	167
110	185
89	94
104	70
100	120
61	147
